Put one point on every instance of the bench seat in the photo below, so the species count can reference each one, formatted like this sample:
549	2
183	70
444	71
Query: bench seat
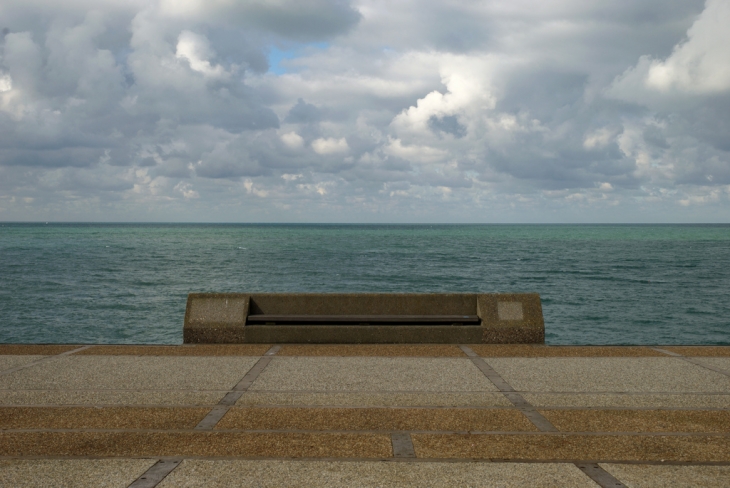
269	319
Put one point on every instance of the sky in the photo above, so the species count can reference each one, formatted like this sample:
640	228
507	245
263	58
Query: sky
361	111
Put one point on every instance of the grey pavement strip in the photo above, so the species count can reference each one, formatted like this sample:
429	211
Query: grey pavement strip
517	400
402	445
43	360
603	478
230	399
156	473
696	362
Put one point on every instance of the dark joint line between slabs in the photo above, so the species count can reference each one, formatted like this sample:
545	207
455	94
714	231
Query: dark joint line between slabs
43	360
694	361
157	472
527	409
603	478
230	398
402	445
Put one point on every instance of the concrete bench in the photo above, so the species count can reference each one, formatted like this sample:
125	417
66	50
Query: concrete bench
263	319
363	318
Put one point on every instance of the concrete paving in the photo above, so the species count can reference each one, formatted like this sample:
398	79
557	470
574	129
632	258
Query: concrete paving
193	473
372	374
370	415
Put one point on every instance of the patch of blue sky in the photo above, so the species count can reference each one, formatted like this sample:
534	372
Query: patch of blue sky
277	55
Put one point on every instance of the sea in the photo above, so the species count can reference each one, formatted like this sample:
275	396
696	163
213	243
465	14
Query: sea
599	284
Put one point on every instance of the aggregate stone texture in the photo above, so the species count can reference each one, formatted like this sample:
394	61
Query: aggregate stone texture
100	418
35	349
529	351
110	397
184	350
699	350
635	400
385	350
9	362
374	399
695	448
131	372
372	374
722	363
91	473
195	443
709	421
608	375
648	475
398	419
224	473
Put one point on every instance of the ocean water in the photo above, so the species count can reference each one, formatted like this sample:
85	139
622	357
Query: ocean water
600	284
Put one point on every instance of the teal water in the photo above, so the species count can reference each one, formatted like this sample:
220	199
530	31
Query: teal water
600	284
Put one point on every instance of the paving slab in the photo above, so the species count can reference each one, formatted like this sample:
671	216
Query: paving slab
110	397
375	399
133	372
372	374
699	350
9	362
91	473
224	473
540	350
722	363
194	444
100	418
650	476
608	375
635	400
710	421
694	448
391	419
184	350
385	350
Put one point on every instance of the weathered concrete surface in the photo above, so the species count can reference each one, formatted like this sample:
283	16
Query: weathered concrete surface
330	415
505	318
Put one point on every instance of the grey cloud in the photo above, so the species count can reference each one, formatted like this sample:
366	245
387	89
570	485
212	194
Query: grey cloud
448	124
506	104
303	113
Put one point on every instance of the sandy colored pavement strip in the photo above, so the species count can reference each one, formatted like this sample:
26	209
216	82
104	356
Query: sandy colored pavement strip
375	419
385	350
646	475
372	374
716	421
699	350
100	418
640	375
374	399
224	473
8	362
570	447
530	351
184	350
110	397
636	400
91	473
34	349
198	443
131	372
721	363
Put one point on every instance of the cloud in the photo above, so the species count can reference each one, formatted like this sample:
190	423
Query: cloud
312	20
476	111
698	65
330	145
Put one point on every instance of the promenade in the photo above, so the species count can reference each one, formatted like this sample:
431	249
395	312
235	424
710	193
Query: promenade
364	415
